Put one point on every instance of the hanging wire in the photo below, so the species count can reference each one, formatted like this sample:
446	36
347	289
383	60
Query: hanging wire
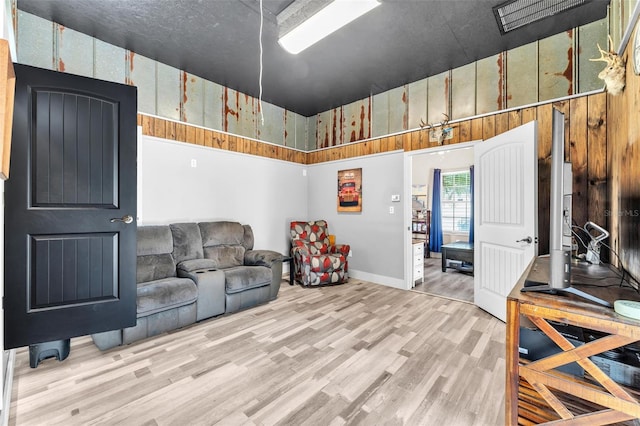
260	76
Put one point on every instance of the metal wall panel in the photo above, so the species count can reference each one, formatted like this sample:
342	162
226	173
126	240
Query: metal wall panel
142	74
380	114
522	75
463	91
556	66
273	128
168	91
35	41
213	105
438	97
193	96
296	130
110	62
417	104
239	114
311	139
489	87
588	37
356	121
75	51
324	131
398	109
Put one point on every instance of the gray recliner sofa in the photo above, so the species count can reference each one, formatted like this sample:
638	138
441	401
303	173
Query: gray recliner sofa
187	272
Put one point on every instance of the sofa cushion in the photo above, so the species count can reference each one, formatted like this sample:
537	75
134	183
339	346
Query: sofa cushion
187	243
160	295
196	265
154	240
221	233
225	256
247	241
243	278
154	267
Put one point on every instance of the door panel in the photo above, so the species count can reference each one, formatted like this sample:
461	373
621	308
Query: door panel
505	212
69	270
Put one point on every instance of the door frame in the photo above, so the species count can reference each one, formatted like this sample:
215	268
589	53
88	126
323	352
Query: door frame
408	180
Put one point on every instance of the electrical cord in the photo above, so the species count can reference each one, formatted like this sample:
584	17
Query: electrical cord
636	287
261	65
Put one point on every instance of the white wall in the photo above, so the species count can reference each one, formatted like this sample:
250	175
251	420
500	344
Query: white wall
264	193
375	235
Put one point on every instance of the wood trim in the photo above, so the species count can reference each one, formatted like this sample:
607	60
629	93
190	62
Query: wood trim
7	88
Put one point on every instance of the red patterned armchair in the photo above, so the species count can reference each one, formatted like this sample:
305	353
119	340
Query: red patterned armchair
315	261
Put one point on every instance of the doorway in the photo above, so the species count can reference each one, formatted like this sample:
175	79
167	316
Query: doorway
456	281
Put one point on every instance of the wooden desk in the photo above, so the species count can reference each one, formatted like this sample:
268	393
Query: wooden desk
457	251
535	391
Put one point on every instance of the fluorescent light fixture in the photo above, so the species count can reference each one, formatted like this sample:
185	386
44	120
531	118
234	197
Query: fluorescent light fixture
332	17
514	14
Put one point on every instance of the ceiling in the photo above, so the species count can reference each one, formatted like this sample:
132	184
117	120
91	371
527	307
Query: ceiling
399	42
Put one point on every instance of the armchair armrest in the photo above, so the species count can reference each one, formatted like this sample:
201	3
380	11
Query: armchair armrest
262	258
340	248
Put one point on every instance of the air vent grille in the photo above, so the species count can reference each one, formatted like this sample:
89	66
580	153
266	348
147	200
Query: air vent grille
514	14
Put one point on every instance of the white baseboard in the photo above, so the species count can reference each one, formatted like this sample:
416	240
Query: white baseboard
378	279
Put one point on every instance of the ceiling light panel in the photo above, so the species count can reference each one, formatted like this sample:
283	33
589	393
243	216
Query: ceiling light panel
305	22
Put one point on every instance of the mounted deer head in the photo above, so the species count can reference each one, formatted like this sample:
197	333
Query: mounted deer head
614	74
438	132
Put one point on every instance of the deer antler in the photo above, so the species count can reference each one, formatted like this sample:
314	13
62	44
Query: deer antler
614	73
442	123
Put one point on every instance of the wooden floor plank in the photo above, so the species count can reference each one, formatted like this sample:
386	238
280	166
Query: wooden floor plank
358	353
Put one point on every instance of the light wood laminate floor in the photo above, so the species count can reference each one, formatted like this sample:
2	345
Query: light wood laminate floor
452	284
358	353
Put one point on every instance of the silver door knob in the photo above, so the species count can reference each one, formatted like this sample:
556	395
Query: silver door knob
527	240
126	219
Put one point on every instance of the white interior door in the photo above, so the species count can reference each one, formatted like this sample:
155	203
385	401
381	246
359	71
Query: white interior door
505	210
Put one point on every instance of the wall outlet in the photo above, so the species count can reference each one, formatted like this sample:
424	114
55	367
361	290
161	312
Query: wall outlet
350	253
194	162
392	210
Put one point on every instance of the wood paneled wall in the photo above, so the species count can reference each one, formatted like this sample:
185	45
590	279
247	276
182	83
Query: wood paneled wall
182	132
585	136
623	163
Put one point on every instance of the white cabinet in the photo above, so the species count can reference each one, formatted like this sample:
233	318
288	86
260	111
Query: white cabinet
418	262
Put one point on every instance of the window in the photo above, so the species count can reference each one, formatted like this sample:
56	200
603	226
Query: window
456	201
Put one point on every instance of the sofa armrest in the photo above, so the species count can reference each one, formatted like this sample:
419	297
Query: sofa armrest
262	258
187	267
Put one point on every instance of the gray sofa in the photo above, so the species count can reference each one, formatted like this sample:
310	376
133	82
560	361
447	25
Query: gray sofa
188	272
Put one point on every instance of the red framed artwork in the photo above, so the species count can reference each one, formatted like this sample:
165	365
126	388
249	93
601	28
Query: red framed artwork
350	190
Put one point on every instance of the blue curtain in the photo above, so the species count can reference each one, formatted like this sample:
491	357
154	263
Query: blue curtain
435	236
471	217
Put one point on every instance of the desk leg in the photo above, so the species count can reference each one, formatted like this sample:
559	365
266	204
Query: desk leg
444	260
292	278
512	362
